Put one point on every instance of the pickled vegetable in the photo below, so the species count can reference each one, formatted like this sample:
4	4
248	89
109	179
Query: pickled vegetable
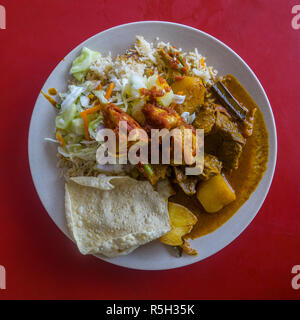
182	221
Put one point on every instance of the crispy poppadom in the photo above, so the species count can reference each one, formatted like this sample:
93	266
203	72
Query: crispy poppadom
114	215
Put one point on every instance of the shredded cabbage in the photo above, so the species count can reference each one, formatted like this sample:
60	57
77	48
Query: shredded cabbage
135	83
73	94
166	99
77	126
84	101
189	118
179	99
64	119
100	95
84	152
94	125
82	63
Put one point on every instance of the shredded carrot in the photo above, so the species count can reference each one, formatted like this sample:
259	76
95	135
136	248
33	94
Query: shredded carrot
109	90
60	139
180	93
83	115
90	110
99	87
202	62
86	126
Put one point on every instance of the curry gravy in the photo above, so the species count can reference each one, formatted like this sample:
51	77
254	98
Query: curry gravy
244	180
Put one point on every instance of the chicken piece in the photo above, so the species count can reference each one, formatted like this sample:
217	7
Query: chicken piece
194	91
112	116
161	117
167	118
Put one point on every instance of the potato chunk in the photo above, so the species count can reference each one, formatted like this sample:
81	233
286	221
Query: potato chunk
194	91
182	221
215	193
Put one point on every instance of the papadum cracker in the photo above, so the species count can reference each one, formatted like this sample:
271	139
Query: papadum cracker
114	215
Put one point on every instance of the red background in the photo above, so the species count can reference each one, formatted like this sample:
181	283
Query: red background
41	263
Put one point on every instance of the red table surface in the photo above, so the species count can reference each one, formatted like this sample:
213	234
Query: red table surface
40	262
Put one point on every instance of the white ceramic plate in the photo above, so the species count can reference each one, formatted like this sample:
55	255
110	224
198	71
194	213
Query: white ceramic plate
42	154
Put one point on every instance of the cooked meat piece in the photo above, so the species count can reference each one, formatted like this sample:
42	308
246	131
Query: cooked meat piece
229	153
205	118
221	109
187	183
194	91
227	128
212	166
212	143
230	149
221	133
160	171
